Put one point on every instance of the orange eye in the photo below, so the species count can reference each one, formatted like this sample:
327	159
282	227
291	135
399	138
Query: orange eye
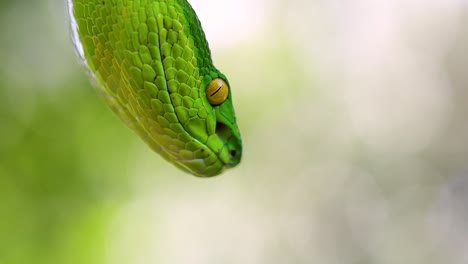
217	91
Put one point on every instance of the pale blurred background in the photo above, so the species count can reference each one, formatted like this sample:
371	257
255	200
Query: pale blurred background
354	121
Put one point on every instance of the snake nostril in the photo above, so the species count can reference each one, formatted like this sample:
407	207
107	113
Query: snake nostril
233	153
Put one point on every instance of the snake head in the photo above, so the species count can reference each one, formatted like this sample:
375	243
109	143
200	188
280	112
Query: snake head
219	134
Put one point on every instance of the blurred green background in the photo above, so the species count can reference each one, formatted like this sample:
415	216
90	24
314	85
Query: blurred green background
353	116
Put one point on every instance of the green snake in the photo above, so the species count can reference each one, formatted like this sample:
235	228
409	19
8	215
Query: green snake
151	62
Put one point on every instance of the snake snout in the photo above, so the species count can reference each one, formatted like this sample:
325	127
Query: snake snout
232	150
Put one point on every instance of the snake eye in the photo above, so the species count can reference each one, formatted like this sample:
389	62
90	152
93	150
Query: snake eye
217	91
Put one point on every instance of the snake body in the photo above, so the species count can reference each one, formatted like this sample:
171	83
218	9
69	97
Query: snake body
151	62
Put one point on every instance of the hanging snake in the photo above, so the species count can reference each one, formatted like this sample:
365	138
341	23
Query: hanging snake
151	62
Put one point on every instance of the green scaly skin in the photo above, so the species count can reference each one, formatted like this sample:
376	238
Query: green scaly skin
152	63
